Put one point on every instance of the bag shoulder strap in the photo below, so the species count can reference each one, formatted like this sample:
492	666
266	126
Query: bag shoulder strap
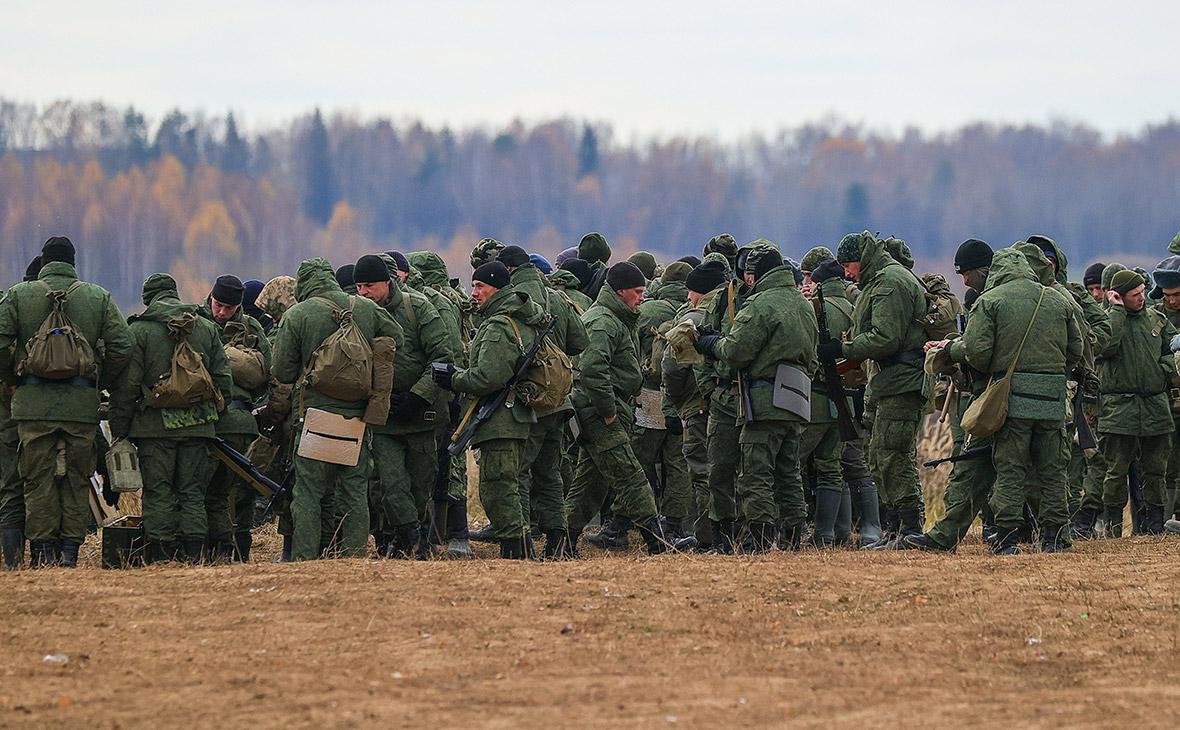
516	331
730	297
408	308
1012	366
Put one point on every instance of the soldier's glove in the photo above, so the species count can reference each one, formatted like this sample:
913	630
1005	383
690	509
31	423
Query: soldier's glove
442	374
407	406
110	496
830	351
704	330
674	425
707	345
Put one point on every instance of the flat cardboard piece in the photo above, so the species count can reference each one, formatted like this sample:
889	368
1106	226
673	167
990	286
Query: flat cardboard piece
331	438
792	391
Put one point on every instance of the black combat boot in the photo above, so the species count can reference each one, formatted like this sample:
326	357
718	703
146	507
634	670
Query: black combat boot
791	537
922	541
869	510
42	554
556	545
485	534
1083	524
458	543
530	548
1055	539
827	509
613	535
843	528
193	551
222	553
723	537
405	542
69	553
890	523
12	545
285	555
242	543
653	536
512	548
1006	542
911	521
1114	521
760	538
1153	524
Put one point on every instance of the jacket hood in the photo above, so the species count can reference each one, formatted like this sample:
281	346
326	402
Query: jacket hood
58	268
1062	274
159	286
431	266
673	291
315	278
565	279
899	250
873	259
780	277
610	301
1009	264
1041	266
515	304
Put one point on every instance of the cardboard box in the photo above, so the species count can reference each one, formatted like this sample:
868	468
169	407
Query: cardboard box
331	438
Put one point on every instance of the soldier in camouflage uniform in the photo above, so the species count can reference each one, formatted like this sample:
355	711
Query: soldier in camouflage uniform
172	443
1167	289
57	420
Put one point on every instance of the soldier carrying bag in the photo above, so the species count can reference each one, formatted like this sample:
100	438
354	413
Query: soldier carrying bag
342	366
57	350
549	379
246	362
987	413
188	382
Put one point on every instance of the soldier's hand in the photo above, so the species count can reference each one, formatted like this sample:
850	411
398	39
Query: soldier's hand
408	406
704	330
442	375
1114	298
830	350
110	496
610	420
707	345
940	344
674	425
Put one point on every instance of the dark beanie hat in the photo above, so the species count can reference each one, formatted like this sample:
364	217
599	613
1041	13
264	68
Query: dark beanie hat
594	248
399	258
761	260
1126	280
228	289
625	275
513	256
251	289
493	273
370	269
646	263
972	254
1093	274
344	276
830	269
706	277
34	269
581	269
58	248
677	271
691	260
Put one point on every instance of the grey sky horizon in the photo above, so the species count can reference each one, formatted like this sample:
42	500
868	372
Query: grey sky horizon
648	68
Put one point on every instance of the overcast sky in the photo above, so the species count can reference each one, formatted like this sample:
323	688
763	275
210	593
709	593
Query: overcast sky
719	67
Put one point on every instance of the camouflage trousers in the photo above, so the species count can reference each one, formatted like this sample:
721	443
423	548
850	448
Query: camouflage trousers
12	488
1149	453
330	489
405	466
821	444
662	455
1172	477
500	485
607	462
967	490
770	483
543	494
724	451
696	457
175	481
893	450
1021	446
56	459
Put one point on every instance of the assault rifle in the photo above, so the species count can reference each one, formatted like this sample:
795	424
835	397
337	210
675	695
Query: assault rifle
1086	438
483	411
832	382
977	452
442	482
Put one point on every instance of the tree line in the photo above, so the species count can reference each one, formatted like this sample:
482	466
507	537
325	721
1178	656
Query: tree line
195	195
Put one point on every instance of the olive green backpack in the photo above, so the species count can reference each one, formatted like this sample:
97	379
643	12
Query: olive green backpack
549	379
57	350
342	366
246	362
187	382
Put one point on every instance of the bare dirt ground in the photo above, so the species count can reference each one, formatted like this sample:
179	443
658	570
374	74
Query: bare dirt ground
811	639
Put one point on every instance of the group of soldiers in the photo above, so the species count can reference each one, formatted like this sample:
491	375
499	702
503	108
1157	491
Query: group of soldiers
734	403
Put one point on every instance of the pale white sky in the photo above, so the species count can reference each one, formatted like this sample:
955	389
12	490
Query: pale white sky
722	67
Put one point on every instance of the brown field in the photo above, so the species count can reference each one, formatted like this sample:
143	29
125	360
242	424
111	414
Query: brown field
808	640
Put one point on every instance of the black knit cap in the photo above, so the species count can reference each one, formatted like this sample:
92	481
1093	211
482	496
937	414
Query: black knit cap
399	258
830	269
513	256
1093	274
58	248
494	274
370	269
625	275
706	277
344	275
579	268
972	254
34	269
691	260
228	289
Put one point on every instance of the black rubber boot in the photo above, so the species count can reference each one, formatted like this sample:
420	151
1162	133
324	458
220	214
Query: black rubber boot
512	548
1114	521
457	520
613	535
791	538
284	555
890	522
653	536
827	509
483	535
556	545
1083	524
42	554
222	553
1055	539
843	529
69	553
405	542
156	552
723	537
760	538
870	512
1006	542
922	541
12	545
1153	524
242	543
193	551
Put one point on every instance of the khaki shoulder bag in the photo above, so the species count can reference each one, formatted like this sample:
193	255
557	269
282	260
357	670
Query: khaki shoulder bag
989	411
